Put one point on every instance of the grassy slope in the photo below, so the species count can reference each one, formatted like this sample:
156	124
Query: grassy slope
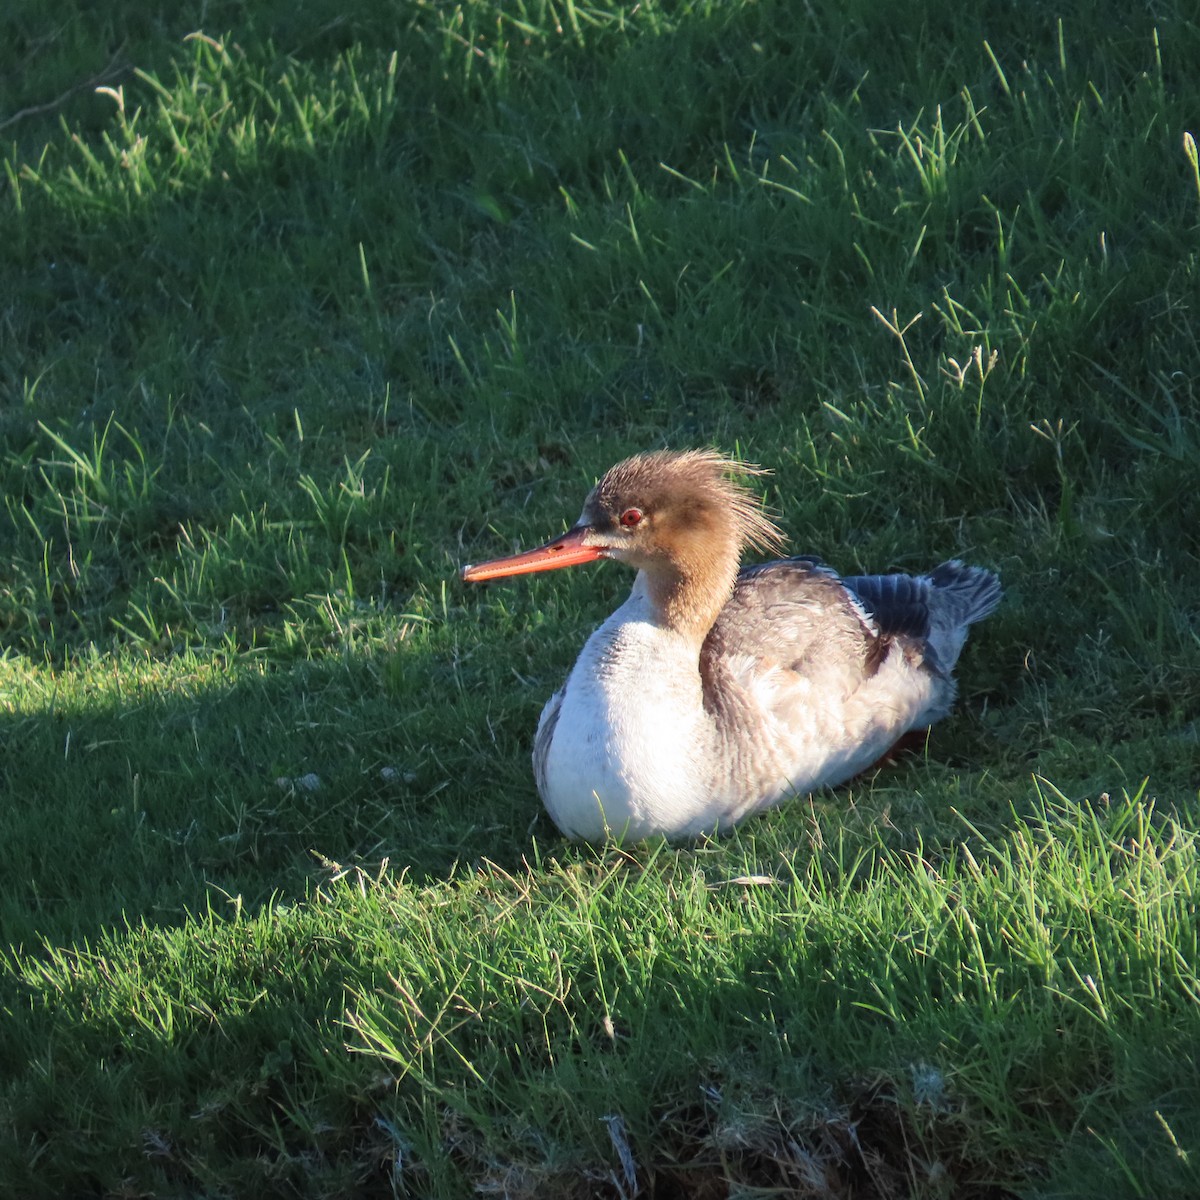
338	301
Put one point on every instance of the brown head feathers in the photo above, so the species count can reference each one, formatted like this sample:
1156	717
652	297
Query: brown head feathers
693	487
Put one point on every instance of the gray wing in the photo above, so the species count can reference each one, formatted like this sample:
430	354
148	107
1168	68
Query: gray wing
545	735
797	614
836	669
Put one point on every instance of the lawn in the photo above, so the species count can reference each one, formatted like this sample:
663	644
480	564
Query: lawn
304	305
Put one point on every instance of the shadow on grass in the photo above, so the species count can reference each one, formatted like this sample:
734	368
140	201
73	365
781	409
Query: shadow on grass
131	804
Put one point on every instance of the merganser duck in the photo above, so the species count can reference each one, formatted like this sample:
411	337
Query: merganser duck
714	692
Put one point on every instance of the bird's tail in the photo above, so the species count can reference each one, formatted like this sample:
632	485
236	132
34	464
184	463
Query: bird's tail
959	596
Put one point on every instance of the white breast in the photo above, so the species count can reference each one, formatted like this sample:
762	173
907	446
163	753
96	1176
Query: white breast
631	743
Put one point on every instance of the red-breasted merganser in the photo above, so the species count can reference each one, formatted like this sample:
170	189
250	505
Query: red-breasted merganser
714	692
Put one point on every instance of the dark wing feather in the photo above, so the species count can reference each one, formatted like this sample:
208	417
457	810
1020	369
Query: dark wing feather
899	603
936	608
911	604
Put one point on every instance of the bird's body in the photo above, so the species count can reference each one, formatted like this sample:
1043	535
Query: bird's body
712	693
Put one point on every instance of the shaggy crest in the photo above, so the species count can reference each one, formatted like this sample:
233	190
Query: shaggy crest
697	479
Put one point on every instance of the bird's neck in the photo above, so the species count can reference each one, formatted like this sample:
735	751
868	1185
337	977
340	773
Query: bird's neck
687	595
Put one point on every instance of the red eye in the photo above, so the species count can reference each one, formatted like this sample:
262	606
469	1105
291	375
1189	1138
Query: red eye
631	517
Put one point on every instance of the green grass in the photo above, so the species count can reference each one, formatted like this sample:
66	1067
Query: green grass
308	306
